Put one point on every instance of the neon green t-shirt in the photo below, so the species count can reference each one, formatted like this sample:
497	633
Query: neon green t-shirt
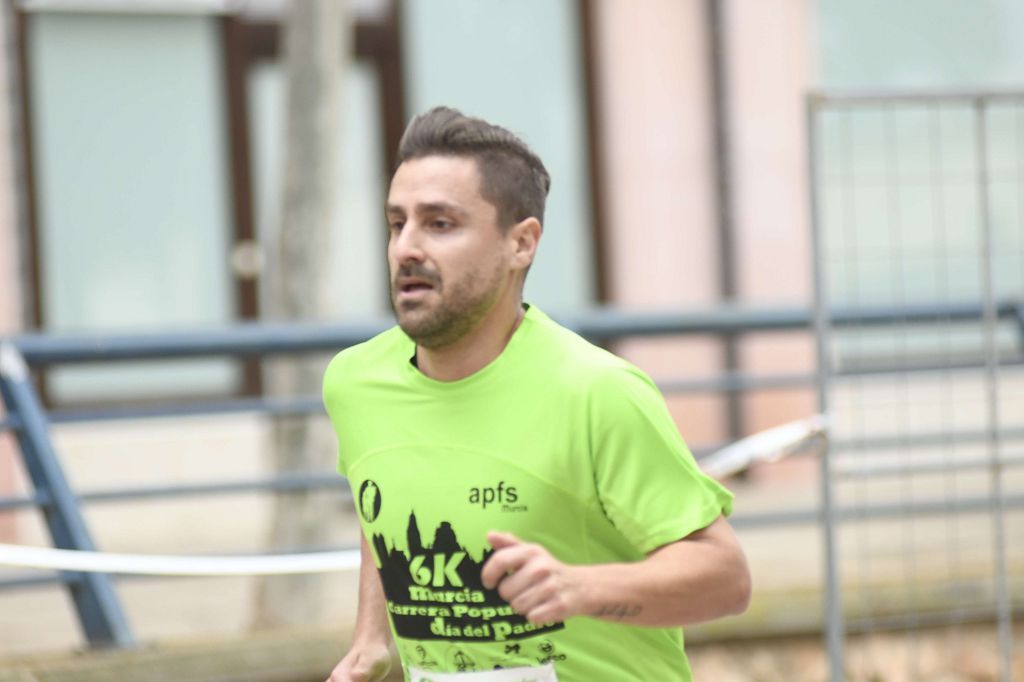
556	441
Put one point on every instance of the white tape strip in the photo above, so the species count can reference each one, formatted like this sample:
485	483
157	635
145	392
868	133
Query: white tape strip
770	445
155	564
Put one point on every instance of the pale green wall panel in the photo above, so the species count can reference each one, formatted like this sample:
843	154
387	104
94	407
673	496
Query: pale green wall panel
132	185
921	43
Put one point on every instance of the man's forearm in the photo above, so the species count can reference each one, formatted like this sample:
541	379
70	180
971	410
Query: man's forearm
371	614
700	577
697	579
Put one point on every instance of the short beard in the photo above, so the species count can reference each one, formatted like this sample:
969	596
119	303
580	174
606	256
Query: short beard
454	317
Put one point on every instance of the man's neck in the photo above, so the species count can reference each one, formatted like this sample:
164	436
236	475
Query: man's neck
475	350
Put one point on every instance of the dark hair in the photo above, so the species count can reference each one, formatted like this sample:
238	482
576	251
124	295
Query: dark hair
512	177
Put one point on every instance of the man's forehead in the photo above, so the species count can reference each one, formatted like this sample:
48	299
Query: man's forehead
435	180
437	170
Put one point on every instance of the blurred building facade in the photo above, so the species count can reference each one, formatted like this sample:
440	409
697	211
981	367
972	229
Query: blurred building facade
148	147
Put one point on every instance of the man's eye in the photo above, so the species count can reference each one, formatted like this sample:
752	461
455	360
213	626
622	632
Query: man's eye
395	225
442	224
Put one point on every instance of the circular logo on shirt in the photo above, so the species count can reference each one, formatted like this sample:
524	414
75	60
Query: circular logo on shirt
369	501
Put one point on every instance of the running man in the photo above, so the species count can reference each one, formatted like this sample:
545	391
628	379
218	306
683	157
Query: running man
529	509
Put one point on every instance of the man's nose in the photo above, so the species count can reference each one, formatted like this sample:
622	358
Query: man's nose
407	244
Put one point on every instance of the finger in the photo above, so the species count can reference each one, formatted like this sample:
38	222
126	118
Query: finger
549	611
499	539
528	576
504	562
531	597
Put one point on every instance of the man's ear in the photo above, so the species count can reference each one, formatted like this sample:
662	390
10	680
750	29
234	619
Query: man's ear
524	237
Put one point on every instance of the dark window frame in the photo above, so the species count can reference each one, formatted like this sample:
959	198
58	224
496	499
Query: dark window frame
596	159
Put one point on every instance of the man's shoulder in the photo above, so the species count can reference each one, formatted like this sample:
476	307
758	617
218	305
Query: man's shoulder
575	359
368	356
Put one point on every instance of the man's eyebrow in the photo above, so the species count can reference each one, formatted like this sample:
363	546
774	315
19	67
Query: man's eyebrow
439	207
427	207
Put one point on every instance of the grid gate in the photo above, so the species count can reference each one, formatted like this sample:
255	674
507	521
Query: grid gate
919	201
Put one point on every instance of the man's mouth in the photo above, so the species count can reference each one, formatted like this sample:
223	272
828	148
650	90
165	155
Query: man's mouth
411	287
415	287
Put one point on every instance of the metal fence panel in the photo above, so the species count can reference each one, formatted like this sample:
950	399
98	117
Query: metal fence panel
920	200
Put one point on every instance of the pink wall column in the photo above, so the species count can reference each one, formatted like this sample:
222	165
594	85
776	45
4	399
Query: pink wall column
769	73
652	81
654	96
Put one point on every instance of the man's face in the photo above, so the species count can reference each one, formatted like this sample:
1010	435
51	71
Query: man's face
448	259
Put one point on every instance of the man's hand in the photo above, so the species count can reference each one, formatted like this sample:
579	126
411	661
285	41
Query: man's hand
363	663
533	582
368	660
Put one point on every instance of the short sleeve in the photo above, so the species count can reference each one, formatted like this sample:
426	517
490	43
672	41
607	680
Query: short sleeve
331	399
648	482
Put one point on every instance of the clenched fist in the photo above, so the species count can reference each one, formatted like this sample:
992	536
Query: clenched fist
537	585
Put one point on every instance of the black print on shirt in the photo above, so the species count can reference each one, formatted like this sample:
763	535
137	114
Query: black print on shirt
435	592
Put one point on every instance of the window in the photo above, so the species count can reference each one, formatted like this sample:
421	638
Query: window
131	183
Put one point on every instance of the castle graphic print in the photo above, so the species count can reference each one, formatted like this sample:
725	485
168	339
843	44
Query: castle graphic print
434	591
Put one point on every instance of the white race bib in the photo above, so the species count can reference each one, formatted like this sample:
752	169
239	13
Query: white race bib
544	673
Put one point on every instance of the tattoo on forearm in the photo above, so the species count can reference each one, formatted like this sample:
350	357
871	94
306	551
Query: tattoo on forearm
618	611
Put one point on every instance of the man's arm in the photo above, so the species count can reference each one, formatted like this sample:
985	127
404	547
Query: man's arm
368	660
698	578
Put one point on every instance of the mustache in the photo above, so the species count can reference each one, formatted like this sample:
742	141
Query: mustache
418	271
